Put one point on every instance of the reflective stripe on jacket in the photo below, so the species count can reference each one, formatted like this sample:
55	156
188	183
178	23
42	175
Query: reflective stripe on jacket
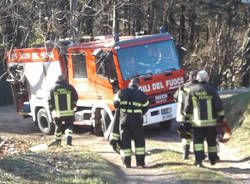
203	104
131	100
180	98
63	103
63	98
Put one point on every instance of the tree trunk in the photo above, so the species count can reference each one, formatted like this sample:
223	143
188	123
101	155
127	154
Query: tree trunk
157	9
182	25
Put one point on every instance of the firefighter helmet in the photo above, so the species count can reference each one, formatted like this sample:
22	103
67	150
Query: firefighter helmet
224	132
134	83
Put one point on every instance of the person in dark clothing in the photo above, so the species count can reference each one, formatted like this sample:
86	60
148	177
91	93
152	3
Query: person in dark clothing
185	129
132	103
203	107
63	98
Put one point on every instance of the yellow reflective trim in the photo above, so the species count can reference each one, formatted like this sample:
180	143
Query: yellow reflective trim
209	109
68	132
186	90
125	153
58	134
212	149
196	113
140	149
137	111
204	123
136	104
63	113
115	136
221	113
131	110
69	101
56	98
123	102
145	104
198	147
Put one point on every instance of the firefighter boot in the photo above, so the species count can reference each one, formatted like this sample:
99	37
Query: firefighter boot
215	160
127	162
55	142
140	161
69	141
186	151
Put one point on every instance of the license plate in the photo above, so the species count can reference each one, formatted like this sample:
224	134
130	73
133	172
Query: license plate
167	116
166	111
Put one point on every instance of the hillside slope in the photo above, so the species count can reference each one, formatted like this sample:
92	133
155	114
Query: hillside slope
237	110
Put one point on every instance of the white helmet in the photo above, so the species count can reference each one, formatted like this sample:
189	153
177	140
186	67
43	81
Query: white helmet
202	76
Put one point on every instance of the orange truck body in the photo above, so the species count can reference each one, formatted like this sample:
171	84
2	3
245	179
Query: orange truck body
97	69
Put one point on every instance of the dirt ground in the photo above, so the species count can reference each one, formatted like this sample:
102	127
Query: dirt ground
157	141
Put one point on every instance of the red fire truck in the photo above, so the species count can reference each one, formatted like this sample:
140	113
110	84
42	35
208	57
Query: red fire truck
97	69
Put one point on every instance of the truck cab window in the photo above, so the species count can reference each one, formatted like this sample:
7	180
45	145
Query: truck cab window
79	65
105	66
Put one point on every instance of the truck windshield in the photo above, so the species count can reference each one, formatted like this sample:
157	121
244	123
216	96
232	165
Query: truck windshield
153	58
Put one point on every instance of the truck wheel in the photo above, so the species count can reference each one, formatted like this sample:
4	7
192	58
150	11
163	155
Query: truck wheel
105	121
166	124
43	122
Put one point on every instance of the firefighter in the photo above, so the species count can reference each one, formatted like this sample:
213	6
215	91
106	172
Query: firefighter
63	98
132	103
204	108
184	129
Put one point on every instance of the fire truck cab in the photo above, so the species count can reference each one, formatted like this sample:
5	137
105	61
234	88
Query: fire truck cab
97	69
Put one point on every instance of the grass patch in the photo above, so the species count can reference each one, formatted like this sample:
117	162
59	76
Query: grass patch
184	171
237	110
63	165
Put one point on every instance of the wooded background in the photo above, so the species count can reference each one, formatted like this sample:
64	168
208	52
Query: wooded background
216	33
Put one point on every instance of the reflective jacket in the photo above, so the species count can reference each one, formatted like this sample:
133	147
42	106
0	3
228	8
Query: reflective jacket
128	101
63	99
180	98
131	100
203	105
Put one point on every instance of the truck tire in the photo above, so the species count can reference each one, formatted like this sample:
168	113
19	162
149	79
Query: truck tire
166	124
105	120
43	123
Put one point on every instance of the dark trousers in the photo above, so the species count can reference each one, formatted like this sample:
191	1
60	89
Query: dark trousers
199	135
68	127
132	129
